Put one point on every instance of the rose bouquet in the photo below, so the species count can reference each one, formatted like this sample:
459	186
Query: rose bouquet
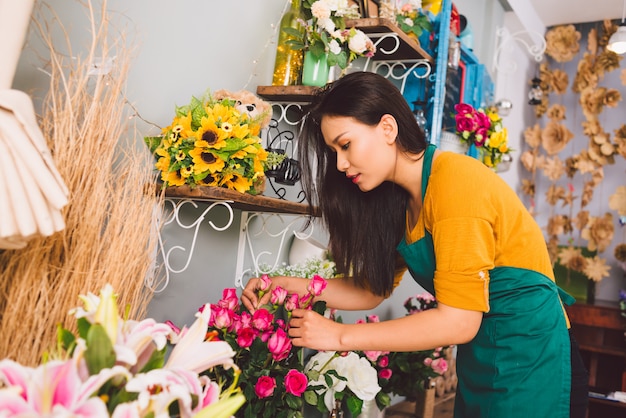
483	129
270	370
211	143
406	373
116	367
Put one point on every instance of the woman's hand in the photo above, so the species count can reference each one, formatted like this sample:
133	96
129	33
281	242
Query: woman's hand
309	329
255	286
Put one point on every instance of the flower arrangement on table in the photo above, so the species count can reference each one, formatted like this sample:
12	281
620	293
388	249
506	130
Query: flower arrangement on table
116	367
326	33
483	129
407	373
212	142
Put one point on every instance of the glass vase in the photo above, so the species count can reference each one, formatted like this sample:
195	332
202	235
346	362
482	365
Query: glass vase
288	62
315	70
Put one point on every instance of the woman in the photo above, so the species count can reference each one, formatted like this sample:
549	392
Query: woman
390	202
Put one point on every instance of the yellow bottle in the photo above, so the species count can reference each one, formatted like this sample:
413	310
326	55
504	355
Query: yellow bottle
288	63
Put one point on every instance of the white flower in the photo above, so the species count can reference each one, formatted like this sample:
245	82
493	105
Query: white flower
327	24
358	42
334	47
408	21
320	362
321	10
362	377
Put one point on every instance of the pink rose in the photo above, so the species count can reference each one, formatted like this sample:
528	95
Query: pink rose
221	317
316	285
385	374
295	382
373	355
481	137
383	361
279	345
439	365
465	123
463	108
483	120
278	296
305	300
245	337
291	302
265	386
262	319
265	282
373	318
229	299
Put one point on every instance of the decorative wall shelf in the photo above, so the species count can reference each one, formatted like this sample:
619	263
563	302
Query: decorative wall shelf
408	48
242	201
392	45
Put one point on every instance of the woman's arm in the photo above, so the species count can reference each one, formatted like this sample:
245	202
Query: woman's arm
340	293
440	326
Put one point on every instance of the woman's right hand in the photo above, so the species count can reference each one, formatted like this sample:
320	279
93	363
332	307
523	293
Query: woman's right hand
250	295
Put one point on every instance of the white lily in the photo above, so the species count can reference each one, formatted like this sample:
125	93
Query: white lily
193	353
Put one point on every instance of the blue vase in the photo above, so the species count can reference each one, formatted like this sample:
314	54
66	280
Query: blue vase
315	70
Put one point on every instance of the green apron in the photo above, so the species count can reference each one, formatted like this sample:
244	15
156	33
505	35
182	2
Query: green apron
518	365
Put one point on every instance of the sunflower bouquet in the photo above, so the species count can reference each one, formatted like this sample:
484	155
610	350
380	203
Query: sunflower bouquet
212	142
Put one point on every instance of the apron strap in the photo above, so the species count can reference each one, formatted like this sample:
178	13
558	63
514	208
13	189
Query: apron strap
428	160
566	298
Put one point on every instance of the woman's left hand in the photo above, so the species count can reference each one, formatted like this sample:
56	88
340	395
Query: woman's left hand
312	330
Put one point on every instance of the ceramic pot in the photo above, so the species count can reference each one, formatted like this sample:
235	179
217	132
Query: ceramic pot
315	70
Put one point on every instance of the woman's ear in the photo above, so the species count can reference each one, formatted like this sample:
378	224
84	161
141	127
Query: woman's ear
389	127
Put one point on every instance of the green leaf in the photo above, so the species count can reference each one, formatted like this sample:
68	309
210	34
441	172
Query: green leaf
99	353
156	361
354	405
319	307
83	326
293	402
153	142
65	338
310	397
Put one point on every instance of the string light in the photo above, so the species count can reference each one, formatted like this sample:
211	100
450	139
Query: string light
268	42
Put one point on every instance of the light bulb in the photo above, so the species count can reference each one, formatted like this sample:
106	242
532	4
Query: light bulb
617	42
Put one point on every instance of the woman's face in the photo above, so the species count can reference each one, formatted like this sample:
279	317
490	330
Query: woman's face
366	154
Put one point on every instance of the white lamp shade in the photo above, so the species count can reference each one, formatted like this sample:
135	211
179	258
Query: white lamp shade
617	43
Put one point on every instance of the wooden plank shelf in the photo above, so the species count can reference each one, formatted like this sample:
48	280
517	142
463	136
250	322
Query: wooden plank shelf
243	201
288	94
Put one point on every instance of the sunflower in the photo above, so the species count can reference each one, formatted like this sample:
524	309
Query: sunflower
236	182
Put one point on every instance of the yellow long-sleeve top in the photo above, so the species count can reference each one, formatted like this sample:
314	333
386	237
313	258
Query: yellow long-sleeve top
477	223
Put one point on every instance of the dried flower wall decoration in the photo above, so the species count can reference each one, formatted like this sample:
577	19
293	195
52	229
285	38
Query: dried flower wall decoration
554	137
554	152
562	43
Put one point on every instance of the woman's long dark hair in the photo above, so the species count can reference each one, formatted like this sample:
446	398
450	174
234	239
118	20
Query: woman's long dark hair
364	227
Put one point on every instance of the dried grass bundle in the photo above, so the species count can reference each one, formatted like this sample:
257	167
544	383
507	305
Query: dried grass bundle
111	232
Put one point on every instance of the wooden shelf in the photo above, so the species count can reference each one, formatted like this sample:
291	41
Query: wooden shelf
290	94
243	201
376	27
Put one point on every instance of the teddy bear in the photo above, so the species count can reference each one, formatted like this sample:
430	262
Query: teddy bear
249	103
